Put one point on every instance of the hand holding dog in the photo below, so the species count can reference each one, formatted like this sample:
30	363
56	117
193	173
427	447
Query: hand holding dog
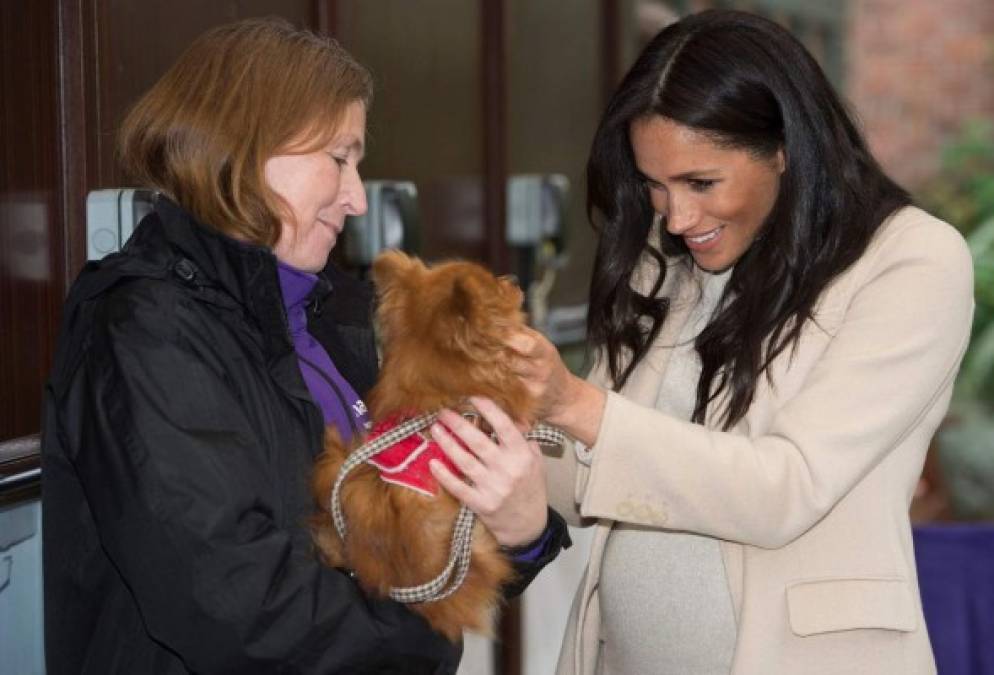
564	400
505	481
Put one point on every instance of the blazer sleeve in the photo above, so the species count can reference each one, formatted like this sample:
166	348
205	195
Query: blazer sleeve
894	354
562	478
185	506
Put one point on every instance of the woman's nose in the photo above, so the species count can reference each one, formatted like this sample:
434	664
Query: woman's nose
353	194
681	214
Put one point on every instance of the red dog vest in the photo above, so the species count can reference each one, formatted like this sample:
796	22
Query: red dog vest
406	461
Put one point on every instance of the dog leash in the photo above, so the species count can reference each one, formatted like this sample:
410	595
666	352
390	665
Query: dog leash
445	584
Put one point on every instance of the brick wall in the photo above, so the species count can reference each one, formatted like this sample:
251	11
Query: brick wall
916	70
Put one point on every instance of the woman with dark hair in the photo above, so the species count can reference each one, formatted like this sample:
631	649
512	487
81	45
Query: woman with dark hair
195	375
777	331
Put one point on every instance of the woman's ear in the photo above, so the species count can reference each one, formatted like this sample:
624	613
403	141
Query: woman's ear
781	160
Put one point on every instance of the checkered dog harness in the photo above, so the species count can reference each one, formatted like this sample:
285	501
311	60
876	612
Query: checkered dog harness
402	453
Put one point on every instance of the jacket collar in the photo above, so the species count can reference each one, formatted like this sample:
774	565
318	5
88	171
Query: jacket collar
243	272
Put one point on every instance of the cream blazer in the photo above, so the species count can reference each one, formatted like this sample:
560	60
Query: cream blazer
809	492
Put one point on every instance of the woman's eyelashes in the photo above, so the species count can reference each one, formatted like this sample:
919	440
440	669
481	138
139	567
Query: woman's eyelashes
701	184
652	184
695	184
340	160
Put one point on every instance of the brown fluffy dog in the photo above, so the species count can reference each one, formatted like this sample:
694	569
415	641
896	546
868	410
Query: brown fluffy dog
442	333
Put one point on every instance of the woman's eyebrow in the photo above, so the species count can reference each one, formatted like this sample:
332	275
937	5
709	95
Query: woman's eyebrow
359	148
647	178
352	144
694	174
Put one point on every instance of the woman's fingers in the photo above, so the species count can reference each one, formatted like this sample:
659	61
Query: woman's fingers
523	342
504	427
474	440
455	486
540	368
533	351
505	483
475	486
524	361
466	461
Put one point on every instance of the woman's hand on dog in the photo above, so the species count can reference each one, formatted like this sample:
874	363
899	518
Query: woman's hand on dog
503	482
564	400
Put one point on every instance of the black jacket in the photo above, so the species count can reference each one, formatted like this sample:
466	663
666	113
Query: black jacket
178	441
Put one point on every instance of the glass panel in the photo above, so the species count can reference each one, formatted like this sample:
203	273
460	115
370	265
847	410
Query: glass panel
554	102
32	267
426	123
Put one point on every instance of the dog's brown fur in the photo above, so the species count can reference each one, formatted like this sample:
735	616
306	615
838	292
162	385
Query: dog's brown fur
442	332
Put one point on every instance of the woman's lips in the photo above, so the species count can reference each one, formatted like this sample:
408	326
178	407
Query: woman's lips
704	241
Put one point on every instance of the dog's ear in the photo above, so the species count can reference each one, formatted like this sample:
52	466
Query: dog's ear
466	321
463	299
392	267
471	299
486	301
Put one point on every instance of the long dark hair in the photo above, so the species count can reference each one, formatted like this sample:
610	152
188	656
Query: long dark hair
750	85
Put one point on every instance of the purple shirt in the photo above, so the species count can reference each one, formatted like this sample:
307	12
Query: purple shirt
340	404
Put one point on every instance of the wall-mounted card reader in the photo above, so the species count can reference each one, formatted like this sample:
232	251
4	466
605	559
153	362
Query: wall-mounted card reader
111	217
390	221
536	205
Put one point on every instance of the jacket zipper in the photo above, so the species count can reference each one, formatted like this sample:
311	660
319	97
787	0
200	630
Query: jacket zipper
338	393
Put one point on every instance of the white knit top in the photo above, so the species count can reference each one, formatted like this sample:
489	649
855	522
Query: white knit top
665	604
